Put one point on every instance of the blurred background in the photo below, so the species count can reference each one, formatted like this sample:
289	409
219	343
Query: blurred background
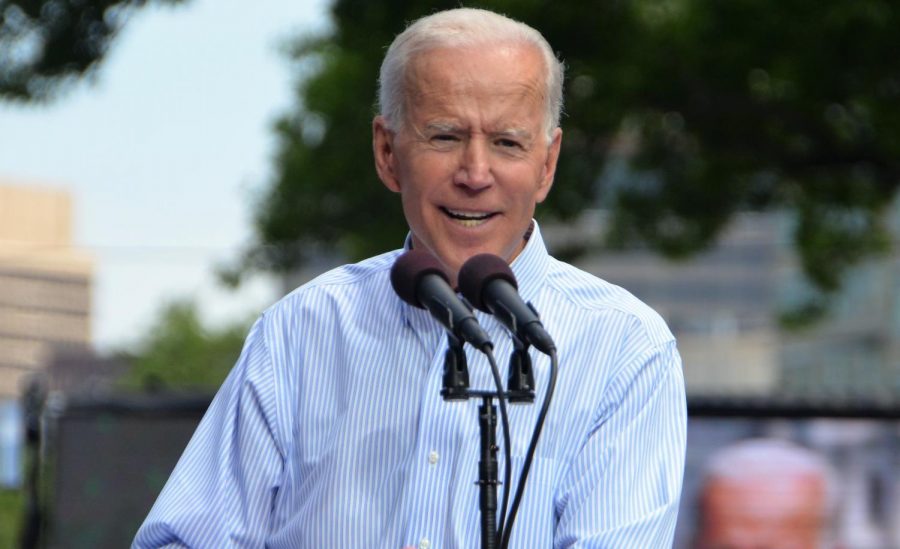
170	168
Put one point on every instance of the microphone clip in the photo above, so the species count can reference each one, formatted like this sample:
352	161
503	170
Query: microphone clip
520	377
456	370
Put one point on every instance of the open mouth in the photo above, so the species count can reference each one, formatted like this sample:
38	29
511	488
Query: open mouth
468	219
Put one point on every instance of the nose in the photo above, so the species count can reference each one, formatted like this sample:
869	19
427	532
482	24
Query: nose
474	169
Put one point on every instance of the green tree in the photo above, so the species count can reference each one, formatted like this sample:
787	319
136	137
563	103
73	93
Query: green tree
46	44
718	106
180	353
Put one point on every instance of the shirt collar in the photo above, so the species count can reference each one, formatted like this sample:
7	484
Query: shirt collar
530	266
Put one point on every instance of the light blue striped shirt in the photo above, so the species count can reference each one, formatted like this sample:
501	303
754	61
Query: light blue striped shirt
331	431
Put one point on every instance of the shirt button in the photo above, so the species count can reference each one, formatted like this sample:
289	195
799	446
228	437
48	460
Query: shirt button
433	458
424	543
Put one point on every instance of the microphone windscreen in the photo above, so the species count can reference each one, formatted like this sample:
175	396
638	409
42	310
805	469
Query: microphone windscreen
409	269
477	272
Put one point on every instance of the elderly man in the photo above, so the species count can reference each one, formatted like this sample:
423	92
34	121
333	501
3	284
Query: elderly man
766	494
331	430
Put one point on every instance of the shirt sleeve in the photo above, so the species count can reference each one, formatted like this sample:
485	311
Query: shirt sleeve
623	487
222	491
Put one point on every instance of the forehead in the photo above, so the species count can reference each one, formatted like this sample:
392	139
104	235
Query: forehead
499	76
767	497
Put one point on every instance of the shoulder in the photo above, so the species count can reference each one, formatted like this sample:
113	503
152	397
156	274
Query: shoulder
372	274
593	298
347	276
332	298
322	312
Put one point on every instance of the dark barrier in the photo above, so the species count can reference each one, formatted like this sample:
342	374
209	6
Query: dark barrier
104	464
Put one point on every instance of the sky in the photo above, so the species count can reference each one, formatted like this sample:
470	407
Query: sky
163	152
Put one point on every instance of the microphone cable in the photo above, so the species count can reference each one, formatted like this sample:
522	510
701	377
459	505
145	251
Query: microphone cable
529	456
487	282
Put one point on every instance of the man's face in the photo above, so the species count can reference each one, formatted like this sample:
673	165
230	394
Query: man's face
472	159
763	513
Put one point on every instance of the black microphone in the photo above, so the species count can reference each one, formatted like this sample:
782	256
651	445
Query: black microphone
490	285
419	280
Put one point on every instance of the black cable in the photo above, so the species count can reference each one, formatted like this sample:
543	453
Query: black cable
504	424
529	456
507	488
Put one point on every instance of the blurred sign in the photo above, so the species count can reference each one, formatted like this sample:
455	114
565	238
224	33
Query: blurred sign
107	462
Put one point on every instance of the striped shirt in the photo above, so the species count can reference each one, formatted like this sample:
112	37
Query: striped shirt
331	431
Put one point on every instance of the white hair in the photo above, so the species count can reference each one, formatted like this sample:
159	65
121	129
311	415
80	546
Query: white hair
463	27
774	459
768	456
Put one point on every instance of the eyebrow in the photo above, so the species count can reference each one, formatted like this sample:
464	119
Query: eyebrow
448	127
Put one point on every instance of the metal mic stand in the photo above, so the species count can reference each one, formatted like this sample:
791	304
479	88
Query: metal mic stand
487	473
456	387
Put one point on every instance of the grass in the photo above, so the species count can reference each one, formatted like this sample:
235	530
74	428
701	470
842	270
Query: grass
12	503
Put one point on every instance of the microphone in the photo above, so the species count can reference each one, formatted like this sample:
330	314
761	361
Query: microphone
419	280
489	284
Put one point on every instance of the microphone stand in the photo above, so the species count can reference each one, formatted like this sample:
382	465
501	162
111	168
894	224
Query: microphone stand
487	473
521	390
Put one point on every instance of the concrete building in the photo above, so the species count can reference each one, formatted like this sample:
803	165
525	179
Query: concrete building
45	284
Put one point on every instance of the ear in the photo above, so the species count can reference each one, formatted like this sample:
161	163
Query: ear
550	165
383	147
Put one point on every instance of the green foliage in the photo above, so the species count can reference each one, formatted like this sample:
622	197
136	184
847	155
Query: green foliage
180	353
759	105
12	504
716	107
45	44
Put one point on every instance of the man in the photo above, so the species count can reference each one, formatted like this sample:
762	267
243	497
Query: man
766	494
331	431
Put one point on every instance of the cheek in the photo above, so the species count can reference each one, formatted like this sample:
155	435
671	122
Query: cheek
428	176
411	203
427	161
417	208
529	191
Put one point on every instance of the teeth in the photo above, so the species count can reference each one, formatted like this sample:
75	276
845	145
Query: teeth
467	219
467	216
470	222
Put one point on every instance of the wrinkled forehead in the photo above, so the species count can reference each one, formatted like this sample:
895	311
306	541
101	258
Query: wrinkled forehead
786	496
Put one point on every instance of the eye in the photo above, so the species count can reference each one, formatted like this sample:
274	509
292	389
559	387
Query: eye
445	137
507	143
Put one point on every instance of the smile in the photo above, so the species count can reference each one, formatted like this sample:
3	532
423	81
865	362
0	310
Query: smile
468	219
